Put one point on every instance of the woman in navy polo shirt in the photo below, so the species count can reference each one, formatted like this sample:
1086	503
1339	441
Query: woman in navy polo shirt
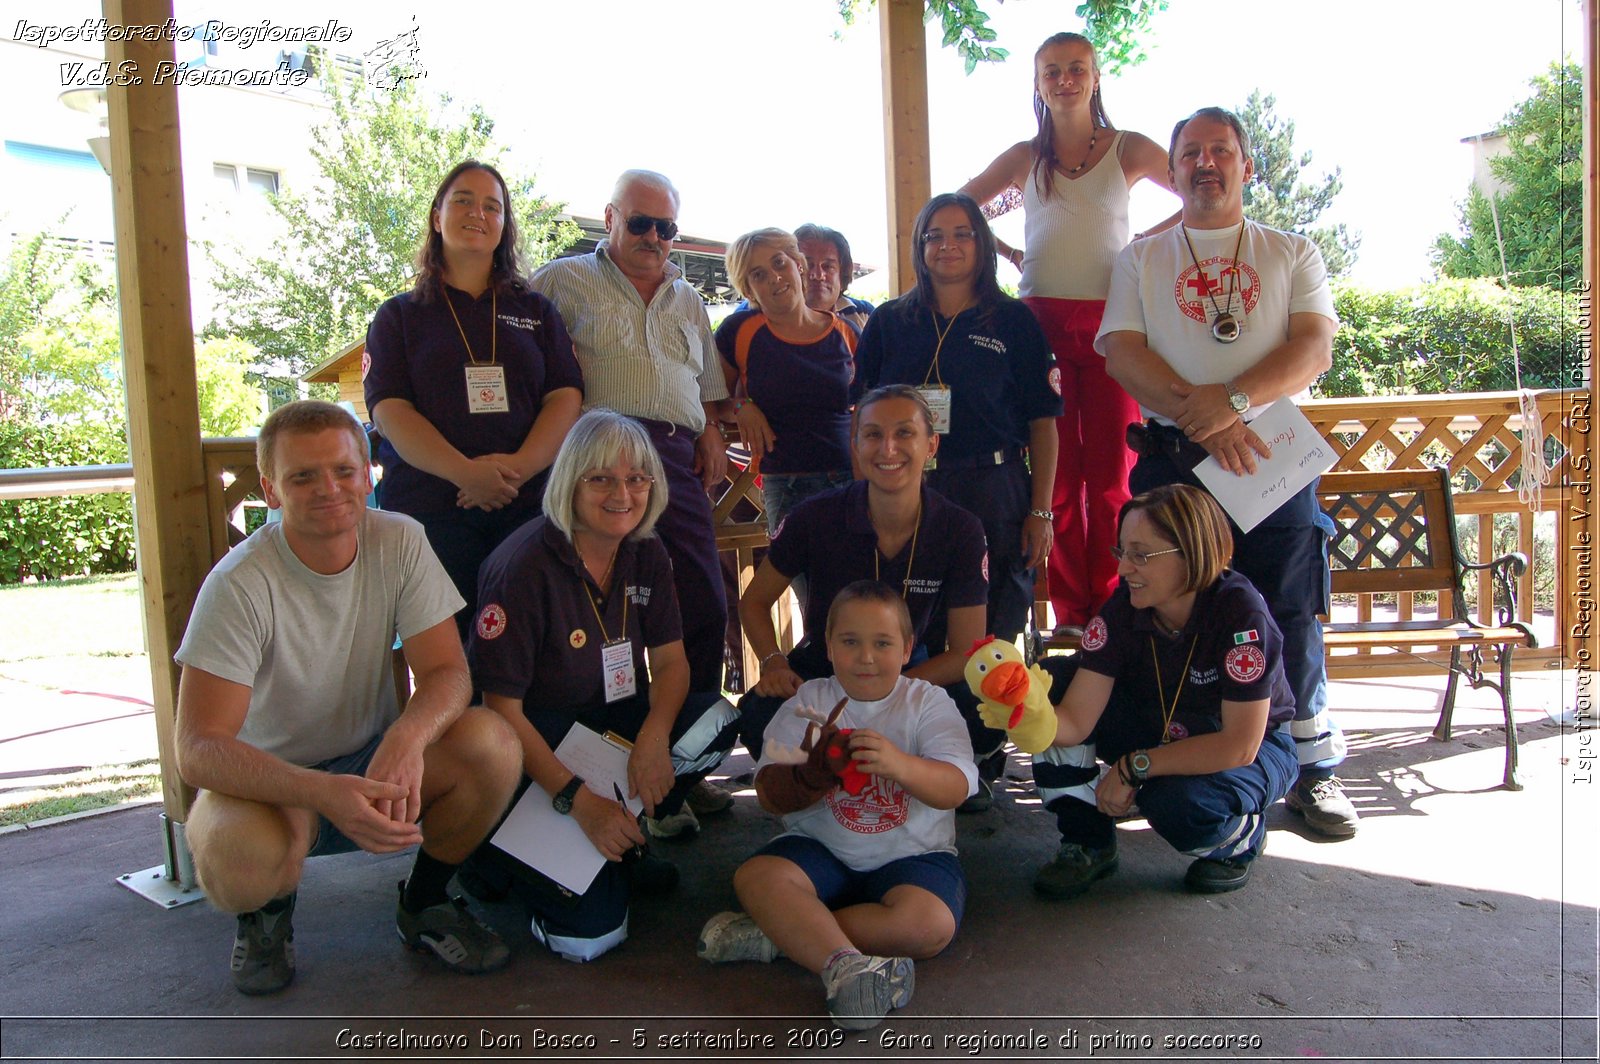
572	606
789	369
1180	689
887	526
992	384
471	380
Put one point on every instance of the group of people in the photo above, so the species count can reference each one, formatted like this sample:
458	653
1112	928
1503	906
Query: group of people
543	567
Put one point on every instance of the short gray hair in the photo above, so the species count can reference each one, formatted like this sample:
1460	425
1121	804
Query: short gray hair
1216	114
630	178
601	438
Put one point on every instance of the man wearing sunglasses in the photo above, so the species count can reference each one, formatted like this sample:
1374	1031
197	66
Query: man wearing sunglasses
1206	325
644	344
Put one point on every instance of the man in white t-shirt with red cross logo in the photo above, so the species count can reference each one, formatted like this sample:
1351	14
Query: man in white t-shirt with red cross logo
1206	325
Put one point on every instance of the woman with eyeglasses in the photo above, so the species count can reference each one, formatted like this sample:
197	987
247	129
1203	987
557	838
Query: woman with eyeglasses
1180	690
789	369
992	384
471	380
1074	177
573	607
887	527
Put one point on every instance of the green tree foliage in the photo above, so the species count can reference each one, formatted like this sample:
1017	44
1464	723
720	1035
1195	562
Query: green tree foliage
1541	209
1276	195
1116	28
62	403
1446	336
350	240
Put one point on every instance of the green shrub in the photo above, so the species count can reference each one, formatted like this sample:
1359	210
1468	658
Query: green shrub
45	539
1446	336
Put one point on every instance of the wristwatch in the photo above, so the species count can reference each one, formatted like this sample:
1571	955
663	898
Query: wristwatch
562	802
1237	399
1139	767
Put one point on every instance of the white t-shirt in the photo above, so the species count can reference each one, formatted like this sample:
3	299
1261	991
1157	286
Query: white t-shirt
883	823
1157	290
313	649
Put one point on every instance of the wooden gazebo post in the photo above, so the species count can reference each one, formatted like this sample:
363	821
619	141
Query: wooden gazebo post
905	130
163	405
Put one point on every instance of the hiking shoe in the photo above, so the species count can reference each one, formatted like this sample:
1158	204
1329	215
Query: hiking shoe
706	798
263	949
1075	867
1321	800
450	931
1217	875
649	873
980	800
680	825
734	937
861	989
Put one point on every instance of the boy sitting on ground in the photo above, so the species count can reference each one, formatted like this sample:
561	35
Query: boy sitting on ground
864	880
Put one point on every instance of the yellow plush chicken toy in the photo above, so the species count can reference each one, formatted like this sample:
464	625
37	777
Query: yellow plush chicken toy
1011	695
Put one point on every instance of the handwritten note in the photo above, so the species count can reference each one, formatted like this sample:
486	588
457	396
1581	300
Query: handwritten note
1299	456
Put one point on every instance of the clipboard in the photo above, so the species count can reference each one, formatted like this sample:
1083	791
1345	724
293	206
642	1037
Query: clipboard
553	844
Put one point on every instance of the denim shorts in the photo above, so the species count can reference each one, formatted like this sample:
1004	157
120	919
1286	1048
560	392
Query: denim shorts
838	885
329	838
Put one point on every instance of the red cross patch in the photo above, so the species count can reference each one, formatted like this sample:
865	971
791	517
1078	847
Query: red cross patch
1055	379
491	621
1095	636
1245	664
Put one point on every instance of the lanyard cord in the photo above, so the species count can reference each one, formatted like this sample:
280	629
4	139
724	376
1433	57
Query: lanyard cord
605	637
905	582
933	367
1233	274
494	327
1161	694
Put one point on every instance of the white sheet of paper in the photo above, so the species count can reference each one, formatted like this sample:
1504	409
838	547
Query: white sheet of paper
538	836
1299	456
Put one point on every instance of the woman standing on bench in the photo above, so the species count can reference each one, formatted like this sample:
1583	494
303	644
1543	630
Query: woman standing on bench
1180	690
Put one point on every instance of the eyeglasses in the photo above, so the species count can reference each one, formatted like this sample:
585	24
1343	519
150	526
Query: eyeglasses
1142	558
605	483
938	236
639	225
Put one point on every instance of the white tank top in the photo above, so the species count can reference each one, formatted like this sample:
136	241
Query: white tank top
1072	238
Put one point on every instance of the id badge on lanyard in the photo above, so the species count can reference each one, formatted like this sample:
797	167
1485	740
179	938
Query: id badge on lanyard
616	659
938	397
486	390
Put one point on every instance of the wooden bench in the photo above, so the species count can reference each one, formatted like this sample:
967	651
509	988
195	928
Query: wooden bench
1396	533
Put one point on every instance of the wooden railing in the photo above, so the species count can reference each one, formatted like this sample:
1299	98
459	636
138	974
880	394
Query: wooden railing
1480	438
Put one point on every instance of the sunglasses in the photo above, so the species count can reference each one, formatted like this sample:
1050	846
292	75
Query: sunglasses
640	224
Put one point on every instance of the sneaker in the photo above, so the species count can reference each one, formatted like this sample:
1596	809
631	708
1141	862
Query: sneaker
680	825
1217	875
1321	800
263	950
861	989
1075	867
734	937
649	873
980	800
458	938
706	798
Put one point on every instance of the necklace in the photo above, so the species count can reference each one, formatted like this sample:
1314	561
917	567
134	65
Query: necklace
1167	711
1224	327
905	583
494	330
1094	135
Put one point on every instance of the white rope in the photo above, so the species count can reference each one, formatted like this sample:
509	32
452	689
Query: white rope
1535	470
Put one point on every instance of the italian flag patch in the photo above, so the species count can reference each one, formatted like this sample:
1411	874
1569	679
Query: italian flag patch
1252	636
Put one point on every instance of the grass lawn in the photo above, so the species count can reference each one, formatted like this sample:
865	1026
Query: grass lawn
91	616
84	634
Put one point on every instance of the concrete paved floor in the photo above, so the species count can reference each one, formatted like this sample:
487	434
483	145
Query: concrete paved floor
1459	924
